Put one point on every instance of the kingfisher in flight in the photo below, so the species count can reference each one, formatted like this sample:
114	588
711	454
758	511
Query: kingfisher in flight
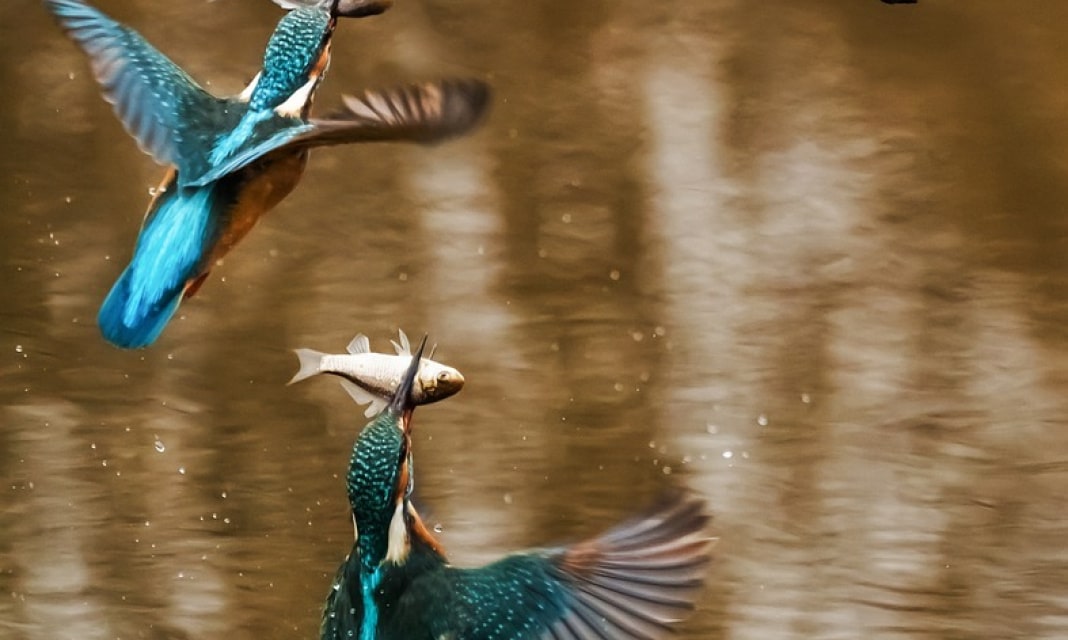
232	159
632	582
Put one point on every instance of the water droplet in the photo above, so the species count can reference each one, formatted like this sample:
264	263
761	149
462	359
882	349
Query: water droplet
507	498
711	428
806	398
667	470
438	528
728	454
614	274
160	447
762	420
566	218
18	348
181	470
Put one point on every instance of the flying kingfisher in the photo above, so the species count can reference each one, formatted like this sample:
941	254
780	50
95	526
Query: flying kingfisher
632	582
232	159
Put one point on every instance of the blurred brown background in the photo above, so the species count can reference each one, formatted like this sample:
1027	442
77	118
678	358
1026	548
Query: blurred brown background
807	258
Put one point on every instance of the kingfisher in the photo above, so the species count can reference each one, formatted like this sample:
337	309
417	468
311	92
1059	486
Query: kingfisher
632	582
232	159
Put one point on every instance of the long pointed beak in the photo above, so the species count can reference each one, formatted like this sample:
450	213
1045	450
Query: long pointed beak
360	8
402	401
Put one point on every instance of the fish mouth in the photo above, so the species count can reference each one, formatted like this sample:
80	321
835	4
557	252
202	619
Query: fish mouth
443	385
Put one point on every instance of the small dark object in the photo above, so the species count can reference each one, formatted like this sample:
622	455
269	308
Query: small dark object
361	8
342	8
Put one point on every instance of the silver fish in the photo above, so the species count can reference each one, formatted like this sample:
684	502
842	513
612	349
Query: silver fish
371	378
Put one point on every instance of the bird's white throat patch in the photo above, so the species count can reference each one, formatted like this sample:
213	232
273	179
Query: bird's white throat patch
399	545
294	105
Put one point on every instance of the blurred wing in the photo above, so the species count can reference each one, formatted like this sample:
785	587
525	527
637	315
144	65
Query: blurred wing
151	95
632	583
424	113
639	578
344	607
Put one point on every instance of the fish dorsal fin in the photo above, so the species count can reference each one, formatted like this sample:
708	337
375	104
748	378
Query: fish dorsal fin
363	396
359	344
405	347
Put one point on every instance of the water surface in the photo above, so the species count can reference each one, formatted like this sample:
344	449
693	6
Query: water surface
808	259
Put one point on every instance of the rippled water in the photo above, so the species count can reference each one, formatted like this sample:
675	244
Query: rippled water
809	259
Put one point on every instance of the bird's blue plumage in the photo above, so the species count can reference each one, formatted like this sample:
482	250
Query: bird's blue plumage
292	54
233	159
171	250
171	116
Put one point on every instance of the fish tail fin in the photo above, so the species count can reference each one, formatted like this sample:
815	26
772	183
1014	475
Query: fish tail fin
310	359
132	321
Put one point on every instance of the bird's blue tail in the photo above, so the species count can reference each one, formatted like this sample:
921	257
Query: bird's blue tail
174	241
130	324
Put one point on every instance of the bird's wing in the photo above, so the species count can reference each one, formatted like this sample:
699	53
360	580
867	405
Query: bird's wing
424	113
632	582
159	104
343	611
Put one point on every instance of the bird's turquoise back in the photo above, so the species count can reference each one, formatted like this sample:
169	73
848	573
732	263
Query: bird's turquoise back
372	483
292	53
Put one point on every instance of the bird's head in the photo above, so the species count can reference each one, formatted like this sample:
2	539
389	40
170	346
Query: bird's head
298	53
380	478
295	61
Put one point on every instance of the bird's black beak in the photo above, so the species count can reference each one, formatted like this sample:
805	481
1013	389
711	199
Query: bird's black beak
360	8
402	401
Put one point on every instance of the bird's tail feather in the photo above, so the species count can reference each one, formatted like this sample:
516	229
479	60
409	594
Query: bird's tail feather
132	322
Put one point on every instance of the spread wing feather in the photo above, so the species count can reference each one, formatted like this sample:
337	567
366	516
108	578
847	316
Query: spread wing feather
159	104
424	113
633	582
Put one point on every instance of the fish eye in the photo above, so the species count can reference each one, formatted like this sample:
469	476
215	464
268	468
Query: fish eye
443	376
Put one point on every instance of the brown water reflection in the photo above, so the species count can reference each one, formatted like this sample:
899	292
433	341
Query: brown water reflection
810	259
